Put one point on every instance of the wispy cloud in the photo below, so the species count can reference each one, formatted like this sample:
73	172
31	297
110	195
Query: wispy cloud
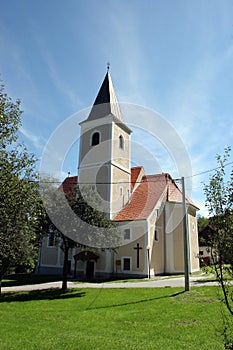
38	142
55	75
10	48
60	83
194	109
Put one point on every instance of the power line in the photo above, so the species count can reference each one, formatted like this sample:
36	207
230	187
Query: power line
126	182
99	183
208	171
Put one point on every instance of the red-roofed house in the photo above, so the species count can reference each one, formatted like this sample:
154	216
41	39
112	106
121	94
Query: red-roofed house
68	184
146	208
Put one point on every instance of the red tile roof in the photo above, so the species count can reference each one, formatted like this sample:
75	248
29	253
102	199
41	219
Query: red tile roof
175	194
135	172
144	198
68	184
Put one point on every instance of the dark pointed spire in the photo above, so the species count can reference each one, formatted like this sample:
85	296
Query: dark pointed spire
106	101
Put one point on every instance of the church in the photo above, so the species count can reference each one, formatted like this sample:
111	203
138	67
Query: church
147	209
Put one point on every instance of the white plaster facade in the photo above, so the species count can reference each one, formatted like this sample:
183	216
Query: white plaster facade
156	239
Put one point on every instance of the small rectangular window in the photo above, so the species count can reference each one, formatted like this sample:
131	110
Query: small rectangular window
127	234
126	264
156	237
121	191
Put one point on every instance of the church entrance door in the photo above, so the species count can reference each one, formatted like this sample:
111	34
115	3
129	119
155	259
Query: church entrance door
90	269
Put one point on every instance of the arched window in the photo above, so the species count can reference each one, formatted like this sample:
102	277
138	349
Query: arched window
95	140
121	142
51	239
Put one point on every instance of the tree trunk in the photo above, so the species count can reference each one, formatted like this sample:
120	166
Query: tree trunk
65	267
1	278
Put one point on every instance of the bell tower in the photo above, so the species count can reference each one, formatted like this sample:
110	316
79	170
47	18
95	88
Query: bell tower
104	159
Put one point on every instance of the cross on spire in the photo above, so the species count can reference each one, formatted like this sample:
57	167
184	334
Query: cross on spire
108	66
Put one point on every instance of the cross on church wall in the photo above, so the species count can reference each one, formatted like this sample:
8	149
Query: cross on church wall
138	248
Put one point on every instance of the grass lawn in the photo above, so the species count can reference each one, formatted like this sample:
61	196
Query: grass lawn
86	319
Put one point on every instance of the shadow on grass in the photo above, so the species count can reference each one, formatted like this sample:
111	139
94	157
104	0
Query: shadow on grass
134	302
45	294
23	279
115	279
210	280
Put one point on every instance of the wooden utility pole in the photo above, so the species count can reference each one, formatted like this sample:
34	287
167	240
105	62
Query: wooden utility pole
186	240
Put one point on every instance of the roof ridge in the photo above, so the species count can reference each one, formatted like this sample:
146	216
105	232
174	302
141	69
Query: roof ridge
158	174
135	167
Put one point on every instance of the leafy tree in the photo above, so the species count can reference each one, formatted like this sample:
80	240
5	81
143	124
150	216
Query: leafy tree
202	222
219	200
77	223
203	232
20	206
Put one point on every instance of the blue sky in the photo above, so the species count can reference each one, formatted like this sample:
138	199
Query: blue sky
174	57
